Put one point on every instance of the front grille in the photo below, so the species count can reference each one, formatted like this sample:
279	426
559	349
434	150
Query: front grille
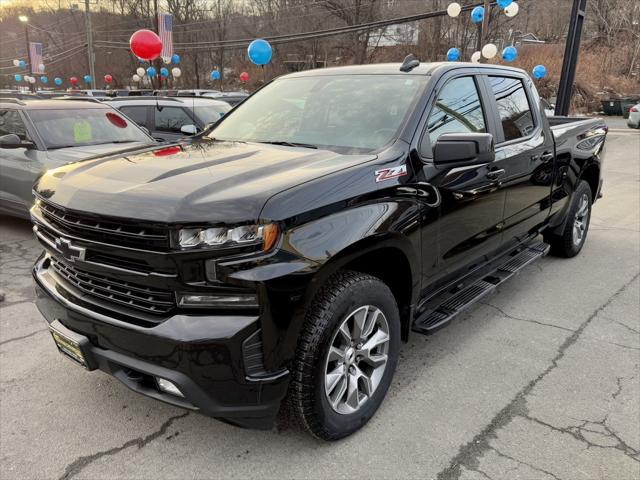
106	229
150	300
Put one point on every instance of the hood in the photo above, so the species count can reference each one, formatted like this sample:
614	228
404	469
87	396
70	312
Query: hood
206	181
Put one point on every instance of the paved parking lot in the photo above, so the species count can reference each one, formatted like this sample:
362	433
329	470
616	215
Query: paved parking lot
541	381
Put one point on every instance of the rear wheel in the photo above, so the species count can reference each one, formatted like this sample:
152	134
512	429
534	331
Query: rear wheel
347	354
571	240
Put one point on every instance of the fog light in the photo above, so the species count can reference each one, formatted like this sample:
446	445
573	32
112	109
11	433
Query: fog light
230	300
168	387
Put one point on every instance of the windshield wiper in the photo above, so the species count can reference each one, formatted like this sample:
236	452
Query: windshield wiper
291	144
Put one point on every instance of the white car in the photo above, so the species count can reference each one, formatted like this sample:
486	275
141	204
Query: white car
634	117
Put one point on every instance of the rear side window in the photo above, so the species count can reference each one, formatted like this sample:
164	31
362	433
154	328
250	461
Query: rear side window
137	114
11	122
513	107
171	119
457	110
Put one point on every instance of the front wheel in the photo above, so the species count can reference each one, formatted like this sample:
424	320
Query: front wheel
346	356
571	240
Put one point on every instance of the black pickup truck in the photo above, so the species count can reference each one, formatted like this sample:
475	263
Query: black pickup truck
281	258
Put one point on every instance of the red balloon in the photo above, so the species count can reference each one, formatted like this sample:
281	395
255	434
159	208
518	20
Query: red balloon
244	77
108	78
145	44
73	80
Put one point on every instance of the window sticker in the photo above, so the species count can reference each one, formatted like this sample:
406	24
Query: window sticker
82	131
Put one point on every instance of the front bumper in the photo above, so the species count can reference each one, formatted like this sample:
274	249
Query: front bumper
201	354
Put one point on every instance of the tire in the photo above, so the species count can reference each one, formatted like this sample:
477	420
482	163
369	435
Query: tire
568	243
317	406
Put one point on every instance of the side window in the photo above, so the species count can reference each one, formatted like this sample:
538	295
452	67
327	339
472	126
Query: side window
171	119
513	107
456	110
11	122
137	114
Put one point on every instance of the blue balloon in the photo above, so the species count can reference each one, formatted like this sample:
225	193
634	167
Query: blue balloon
17	77
87	79
151	71
260	52
504	3
453	54
539	71
477	14
215	75
164	72
57	81
22	64
509	54
44	79
175	58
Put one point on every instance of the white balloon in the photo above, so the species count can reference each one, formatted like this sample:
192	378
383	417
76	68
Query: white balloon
16	63
475	57
489	50
32	80
136	77
41	67
511	10
454	9
176	72
166	60
140	71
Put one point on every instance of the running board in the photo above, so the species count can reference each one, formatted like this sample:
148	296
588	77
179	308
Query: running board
443	313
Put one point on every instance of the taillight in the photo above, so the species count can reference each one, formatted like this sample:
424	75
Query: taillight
633	109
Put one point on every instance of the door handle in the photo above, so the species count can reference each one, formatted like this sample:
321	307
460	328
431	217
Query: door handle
493	174
546	157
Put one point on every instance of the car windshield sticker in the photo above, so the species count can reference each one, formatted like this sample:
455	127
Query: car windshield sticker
82	132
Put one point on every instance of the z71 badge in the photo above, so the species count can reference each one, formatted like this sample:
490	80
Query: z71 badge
389	173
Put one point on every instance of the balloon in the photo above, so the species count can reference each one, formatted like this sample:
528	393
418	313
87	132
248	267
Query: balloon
453	10
477	14
260	52
475	57
108	78
136	77
32	79
539	71
511	10
215	75
41	67
453	54
164	72
22	63
17	77
87	78
504	3
244	77
16	63
44	79
26	78
489	50
73	80
509	54
176	72
175	58
140	71
57	81
145	44
152	72
166	60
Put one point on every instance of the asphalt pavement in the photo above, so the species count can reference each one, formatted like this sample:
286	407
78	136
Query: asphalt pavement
540	381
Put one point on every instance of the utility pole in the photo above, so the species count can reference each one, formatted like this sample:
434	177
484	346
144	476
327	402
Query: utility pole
90	53
483	30
570	61
24	19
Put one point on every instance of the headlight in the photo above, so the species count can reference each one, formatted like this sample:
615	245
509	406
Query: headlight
266	235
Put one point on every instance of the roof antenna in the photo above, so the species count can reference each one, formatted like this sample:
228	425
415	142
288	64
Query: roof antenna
409	63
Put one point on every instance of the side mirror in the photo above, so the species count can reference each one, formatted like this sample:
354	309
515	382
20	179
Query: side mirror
461	149
13	141
189	129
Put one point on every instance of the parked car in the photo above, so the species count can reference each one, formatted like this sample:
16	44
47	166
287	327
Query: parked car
634	117
195	92
48	94
38	135
290	250
232	98
18	94
99	94
172	118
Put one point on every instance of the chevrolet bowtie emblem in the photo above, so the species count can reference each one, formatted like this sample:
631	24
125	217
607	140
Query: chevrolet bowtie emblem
70	251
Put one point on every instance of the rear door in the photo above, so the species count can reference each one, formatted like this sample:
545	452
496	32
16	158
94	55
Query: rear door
525	150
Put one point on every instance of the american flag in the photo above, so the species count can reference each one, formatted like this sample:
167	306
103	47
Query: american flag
35	55
165	30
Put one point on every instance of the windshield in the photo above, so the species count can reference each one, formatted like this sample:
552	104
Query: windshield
211	113
360	112
84	126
